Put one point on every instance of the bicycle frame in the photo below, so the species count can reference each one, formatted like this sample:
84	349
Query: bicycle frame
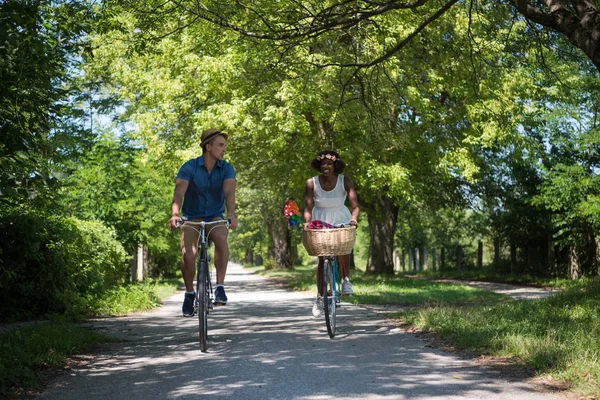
204	294
331	292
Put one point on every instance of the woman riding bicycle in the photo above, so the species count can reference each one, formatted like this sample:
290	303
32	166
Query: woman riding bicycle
324	201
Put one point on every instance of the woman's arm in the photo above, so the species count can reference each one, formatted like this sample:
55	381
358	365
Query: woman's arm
353	198
309	201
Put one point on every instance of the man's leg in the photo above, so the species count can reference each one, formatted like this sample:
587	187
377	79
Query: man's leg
188	266
218	235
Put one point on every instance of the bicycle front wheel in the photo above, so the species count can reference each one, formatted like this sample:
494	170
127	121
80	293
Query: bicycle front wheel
329	297
203	303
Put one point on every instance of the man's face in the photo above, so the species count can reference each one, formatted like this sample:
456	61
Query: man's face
217	147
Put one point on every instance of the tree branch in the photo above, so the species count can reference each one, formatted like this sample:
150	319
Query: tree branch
390	52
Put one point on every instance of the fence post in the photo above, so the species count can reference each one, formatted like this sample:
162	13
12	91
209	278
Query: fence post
139	273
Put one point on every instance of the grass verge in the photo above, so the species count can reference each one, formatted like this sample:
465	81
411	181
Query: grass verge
28	354
122	300
558	336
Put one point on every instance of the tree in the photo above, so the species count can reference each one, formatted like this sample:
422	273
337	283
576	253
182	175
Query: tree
289	23
118	184
39	46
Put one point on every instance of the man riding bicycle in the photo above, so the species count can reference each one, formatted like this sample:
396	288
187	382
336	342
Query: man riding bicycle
205	186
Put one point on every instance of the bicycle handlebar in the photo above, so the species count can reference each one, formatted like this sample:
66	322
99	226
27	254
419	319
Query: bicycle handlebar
182	221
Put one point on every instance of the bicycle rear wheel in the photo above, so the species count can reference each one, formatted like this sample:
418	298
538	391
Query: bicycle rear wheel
203	293
329	297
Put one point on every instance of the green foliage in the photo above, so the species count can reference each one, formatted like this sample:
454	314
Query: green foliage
26	353
122	300
117	183
52	261
39	127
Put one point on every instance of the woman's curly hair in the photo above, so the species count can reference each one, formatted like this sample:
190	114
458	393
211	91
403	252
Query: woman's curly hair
338	164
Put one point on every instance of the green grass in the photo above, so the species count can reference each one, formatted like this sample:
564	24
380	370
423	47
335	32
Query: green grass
558	336
386	290
123	300
490	275
411	291
25	354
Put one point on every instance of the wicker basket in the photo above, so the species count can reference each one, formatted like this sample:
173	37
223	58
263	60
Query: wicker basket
329	242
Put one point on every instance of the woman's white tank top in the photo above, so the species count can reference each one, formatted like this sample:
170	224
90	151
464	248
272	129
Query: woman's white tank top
329	205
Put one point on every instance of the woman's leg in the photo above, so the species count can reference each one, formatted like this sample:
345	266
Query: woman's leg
320	275
344	262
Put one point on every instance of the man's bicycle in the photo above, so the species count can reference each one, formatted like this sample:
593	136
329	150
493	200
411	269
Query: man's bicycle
204	300
330	243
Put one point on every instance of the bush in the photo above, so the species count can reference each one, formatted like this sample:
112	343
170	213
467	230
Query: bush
52	261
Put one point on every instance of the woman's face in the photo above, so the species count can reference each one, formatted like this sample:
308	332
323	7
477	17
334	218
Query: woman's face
327	167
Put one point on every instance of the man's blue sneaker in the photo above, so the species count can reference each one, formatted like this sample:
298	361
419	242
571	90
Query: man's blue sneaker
220	297
188	305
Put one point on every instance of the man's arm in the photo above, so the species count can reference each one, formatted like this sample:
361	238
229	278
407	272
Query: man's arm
229	190
181	186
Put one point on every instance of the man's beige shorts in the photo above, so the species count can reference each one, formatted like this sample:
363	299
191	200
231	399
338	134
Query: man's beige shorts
190	233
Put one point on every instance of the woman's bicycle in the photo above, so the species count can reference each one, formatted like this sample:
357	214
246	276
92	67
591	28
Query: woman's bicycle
203	302
332	288
329	243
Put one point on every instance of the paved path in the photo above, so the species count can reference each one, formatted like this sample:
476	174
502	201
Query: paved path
266	345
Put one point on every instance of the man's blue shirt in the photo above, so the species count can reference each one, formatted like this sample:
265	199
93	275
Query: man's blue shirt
204	197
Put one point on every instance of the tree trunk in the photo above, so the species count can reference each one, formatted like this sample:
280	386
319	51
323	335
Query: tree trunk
597	259
382	215
410	260
579	22
574	267
459	258
551	253
513	258
138	264
402	258
480	255
281	250
496	250
249	256
433	258
425	266
443	259
417	259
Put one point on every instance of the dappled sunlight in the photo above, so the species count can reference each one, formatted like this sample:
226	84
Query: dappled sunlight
266	344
